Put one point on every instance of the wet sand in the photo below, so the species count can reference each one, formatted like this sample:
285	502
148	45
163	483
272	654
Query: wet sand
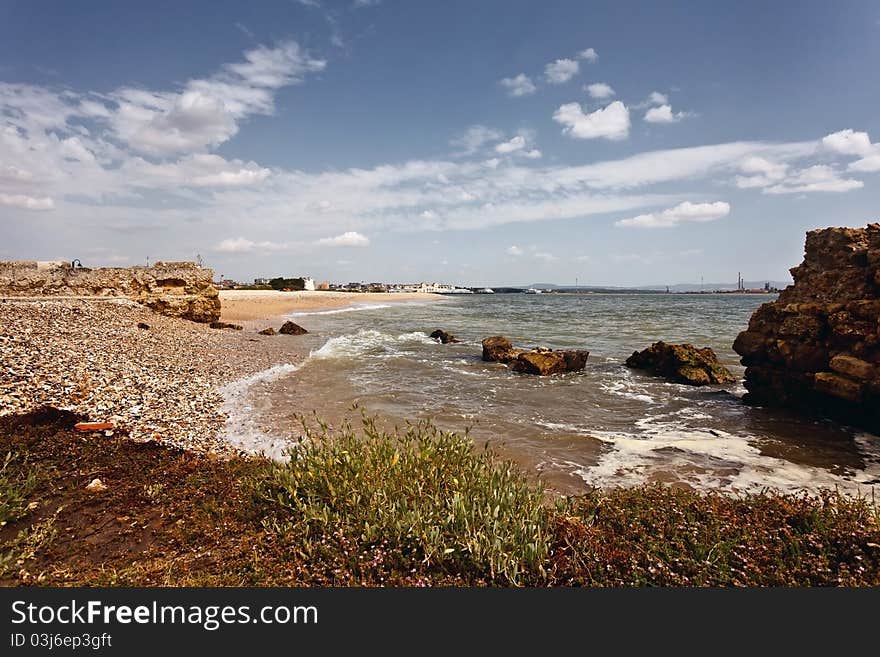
254	305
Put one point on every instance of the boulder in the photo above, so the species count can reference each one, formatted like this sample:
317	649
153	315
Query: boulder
267	331
225	325
443	337
546	362
817	347
682	363
289	328
497	349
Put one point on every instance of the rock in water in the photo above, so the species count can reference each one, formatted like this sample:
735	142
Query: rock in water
540	360
682	363
289	328
497	349
817	347
225	325
546	362
443	336
267	331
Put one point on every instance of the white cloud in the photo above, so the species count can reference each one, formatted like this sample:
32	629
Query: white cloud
561	71
611	122
521	85
546	257
515	144
428	215
533	154
656	98
848	142
663	114
600	90
474	138
350	238
761	172
681	213
199	170
589	55
26	202
514	251
817	178
867	164
235	245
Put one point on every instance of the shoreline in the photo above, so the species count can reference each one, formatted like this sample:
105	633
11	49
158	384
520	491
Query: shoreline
267	305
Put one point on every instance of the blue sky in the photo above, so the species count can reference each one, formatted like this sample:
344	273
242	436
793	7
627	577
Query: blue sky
467	142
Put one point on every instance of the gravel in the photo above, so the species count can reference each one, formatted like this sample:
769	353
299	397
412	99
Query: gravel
161	383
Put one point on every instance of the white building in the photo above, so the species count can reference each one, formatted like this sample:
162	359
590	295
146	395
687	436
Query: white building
309	284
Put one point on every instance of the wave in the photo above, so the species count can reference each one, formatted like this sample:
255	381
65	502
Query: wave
336	311
365	341
241	430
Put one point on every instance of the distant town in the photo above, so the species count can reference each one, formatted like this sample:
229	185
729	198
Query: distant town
307	283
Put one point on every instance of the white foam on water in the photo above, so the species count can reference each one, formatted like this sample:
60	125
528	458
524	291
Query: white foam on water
712	459
354	345
336	311
629	390
242	429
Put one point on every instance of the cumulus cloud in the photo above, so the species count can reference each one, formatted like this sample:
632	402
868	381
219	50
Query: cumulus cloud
533	154
656	98
200	170
26	202
848	142
663	114
681	213
760	172
600	90
868	164
350	238
514	250
515	144
611	122
561	71
521	85
589	55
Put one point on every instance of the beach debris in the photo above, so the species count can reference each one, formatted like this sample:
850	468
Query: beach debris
289	328
225	325
443	337
682	363
540	361
267	331
143	325
93	426
96	486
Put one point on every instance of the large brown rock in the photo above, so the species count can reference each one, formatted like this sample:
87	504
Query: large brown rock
682	363
497	349
443	337
817	347
539	361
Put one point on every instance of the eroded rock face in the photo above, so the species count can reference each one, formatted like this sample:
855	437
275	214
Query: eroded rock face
682	363
817	346
176	289
289	328
540	360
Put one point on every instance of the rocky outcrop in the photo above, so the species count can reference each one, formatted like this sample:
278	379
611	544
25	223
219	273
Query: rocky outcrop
682	363
176	289
289	328
539	361
443	337
817	346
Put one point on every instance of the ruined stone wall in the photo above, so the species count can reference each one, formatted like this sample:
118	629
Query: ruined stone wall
177	289
817	346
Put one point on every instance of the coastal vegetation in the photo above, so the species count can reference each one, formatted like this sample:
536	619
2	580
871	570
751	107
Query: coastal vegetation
416	506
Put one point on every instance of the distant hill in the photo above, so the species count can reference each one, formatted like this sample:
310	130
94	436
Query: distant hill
679	287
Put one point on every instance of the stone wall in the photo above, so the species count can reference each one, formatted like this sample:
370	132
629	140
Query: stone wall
817	347
177	289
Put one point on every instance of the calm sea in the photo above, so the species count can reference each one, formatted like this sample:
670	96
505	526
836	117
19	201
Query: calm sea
605	426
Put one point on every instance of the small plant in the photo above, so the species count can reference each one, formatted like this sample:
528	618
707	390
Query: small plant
415	500
17	481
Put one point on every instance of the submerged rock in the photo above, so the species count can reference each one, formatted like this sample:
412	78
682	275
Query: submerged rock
682	363
443	337
817	347
540	360
289	328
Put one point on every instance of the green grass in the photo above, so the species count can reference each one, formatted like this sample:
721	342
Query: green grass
367	502
17	481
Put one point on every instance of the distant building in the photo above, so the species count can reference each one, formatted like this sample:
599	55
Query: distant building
323	285
309	284
261	281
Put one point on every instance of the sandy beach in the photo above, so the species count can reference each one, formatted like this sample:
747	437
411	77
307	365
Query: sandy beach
256	305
